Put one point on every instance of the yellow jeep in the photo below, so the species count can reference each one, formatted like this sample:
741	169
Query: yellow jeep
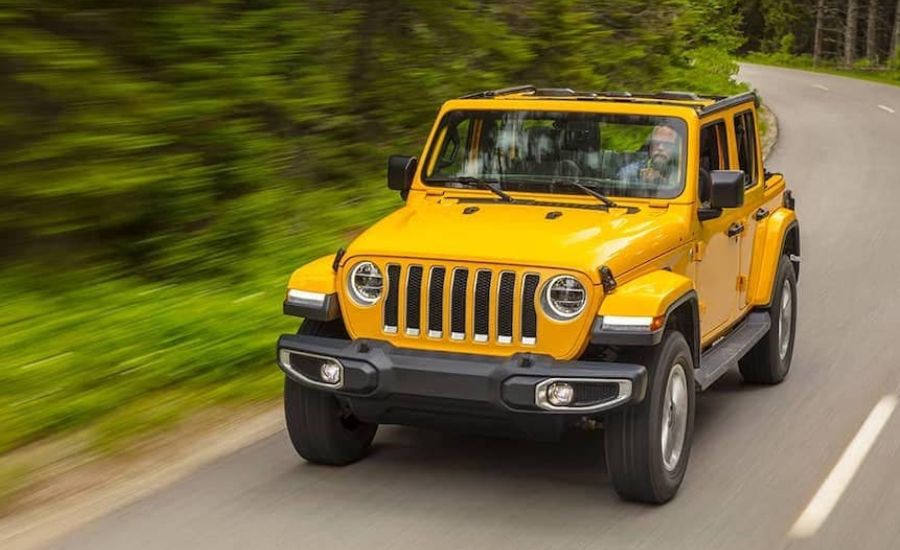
563	259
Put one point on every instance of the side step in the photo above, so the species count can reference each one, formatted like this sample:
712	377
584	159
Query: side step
724	356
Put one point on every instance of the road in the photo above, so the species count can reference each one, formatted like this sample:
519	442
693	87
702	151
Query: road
759	456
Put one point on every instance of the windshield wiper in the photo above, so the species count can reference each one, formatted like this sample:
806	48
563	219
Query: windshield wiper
593	192
488	184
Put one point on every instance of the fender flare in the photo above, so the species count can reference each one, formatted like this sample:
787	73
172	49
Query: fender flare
656	294
317	277
771	238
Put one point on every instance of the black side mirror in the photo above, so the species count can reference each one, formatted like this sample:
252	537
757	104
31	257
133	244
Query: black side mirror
400	173
726	190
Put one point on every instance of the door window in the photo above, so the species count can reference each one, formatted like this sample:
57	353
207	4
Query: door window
745	133
713	156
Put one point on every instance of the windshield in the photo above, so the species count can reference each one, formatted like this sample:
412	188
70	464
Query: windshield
540	151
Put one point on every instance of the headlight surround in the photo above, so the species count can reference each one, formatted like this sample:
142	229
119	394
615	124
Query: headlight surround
366	283
564	298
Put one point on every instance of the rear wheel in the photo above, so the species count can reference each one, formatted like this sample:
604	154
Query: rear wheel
770	359
648	445
322	429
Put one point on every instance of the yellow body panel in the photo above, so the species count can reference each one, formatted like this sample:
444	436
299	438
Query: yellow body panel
316	276
648	296
768	249
436	228
657	254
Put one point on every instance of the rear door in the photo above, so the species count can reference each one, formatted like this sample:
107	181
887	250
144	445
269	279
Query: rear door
749	159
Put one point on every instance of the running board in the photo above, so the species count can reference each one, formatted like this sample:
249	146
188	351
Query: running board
724	356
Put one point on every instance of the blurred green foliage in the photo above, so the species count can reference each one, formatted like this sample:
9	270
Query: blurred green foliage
166	165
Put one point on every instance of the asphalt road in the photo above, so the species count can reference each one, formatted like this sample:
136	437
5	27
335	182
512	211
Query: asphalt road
759	456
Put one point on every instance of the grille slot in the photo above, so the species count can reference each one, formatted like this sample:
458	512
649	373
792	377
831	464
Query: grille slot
392	299
458	304
436	302
413	300
505	297
529	315
481	321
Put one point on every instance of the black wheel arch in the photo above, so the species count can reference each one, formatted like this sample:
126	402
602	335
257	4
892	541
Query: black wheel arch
684	316
791	246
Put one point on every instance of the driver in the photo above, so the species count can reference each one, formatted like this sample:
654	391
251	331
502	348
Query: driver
661	166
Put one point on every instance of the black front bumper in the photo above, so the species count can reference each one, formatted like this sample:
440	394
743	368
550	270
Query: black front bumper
391	385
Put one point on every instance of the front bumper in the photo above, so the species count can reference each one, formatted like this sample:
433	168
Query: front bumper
390	385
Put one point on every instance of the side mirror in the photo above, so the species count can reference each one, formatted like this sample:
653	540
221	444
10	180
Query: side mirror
400	173
727	189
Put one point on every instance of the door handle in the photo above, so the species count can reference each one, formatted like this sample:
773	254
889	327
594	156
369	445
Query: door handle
735	229
762	213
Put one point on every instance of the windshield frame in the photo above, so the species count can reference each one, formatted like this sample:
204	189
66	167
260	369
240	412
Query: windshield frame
436	142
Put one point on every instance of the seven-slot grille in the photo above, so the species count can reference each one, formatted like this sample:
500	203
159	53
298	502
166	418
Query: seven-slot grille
461	303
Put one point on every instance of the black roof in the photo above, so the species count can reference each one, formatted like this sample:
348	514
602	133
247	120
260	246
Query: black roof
708	103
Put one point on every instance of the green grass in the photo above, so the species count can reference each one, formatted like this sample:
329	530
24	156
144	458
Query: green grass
804	62
88	348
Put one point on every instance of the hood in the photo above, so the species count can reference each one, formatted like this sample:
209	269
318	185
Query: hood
515	234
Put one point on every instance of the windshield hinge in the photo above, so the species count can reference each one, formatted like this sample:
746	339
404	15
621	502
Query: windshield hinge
658	204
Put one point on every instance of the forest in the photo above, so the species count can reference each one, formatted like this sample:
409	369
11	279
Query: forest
849	33
166	165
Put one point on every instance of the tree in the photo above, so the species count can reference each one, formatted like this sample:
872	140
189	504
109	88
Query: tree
895	36
850	32
871	32
820	21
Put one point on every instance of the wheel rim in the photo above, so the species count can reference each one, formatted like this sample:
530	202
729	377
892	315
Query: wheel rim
787	317
675	413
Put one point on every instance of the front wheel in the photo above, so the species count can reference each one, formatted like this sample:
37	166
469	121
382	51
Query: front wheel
648	444
322	429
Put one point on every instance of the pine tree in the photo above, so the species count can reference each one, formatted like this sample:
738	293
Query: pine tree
850	32
871	32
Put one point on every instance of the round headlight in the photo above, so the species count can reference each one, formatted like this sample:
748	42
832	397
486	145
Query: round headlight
564	298
365	283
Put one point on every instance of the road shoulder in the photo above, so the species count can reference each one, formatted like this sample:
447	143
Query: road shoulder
107	484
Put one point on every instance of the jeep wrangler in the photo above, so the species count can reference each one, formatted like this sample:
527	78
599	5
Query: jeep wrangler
563	259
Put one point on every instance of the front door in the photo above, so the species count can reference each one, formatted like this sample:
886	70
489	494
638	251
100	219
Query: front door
718	253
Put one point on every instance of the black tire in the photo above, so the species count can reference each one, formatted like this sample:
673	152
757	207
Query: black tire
321	428
633	435
765	363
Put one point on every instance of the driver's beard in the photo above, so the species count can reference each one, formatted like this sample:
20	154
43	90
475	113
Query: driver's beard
662	164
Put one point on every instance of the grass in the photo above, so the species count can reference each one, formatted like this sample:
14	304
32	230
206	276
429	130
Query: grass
120	355
882	75
95	360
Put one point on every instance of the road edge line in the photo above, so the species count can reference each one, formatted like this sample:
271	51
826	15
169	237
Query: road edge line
826	498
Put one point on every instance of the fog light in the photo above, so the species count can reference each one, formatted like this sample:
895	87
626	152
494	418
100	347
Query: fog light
330	372
560	394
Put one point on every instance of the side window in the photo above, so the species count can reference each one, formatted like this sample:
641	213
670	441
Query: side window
745	133
713	156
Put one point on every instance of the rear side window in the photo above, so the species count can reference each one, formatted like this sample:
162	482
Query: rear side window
745	133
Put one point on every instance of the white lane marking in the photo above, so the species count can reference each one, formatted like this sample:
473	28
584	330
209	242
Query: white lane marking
841	475
819	86
886	108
